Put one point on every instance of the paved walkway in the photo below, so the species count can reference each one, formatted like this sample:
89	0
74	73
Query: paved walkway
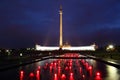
112	62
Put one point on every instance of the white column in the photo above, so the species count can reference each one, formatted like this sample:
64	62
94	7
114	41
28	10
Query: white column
61	40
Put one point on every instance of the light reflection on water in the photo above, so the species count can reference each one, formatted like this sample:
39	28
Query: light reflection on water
108	72
112	73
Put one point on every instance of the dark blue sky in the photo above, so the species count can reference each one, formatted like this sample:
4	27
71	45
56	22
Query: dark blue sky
23	23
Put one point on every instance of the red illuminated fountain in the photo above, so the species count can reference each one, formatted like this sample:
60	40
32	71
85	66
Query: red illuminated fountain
98	76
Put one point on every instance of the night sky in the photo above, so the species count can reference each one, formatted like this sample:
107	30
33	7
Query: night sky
24	23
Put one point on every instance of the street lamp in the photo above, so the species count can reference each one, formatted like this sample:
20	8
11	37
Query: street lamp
110	47
21	54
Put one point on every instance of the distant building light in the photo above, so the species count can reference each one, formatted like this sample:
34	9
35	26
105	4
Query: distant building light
7	50
10	50
33	48
28	48
81	48
110	47
21	54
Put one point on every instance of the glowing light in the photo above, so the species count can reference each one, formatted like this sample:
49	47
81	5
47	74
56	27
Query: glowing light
82	61
38	75
80	70
43	48
59	67
21	75
98	78
38	72
66	68
21	54
71	74
51	64
55	77
90	68
112	70
39	67
86	65
81	48
70	67
83	76
55	64
59	61
31	74
7	50
70	63
63	77
111	46
50	67
28	48
61	37
59	71
98	74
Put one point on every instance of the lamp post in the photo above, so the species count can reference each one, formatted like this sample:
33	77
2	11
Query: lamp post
110	48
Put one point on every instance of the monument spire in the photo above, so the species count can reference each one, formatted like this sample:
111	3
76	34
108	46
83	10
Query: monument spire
61	36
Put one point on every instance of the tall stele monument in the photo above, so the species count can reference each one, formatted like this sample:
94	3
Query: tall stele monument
61	32
51	48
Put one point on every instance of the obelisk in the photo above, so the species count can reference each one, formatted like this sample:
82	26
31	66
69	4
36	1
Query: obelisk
61	37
